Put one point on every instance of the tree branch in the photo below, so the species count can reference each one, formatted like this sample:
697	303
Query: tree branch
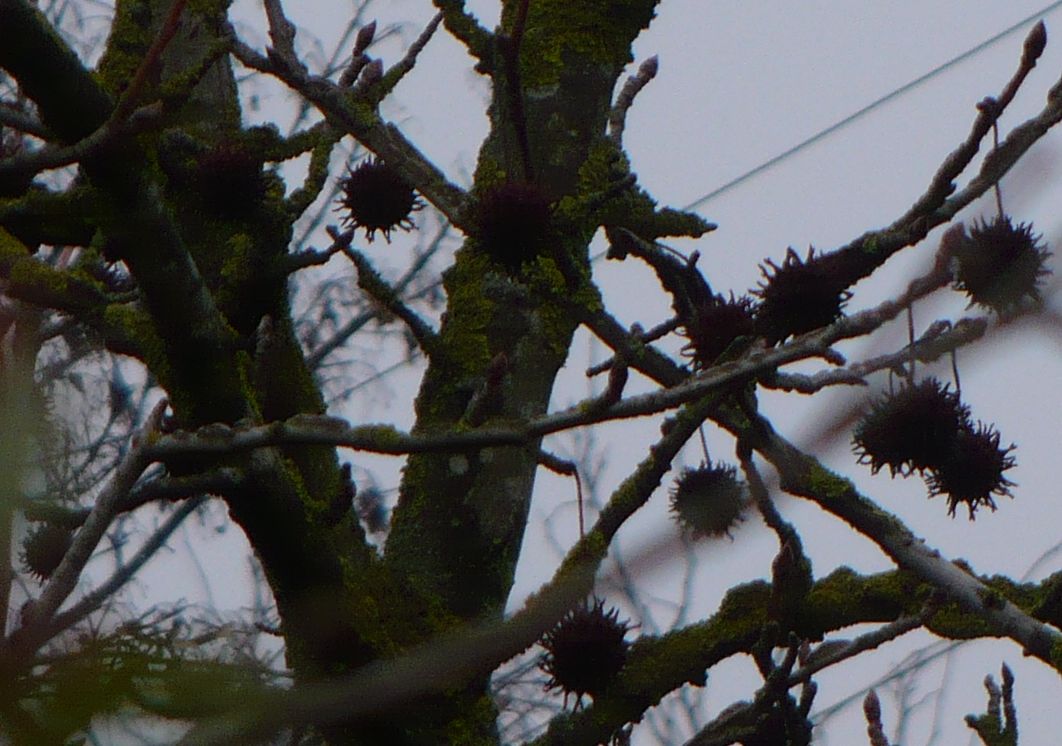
380	291
40	613
804	476
360	119
96	598
617	118
463	26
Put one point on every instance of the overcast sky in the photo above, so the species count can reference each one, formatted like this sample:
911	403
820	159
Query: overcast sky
739	83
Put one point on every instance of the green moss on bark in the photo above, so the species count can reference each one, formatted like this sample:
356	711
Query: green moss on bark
592	31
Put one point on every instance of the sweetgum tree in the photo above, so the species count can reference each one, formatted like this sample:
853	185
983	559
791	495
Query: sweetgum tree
167	257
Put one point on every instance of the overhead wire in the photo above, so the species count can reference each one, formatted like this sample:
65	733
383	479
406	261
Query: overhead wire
972	51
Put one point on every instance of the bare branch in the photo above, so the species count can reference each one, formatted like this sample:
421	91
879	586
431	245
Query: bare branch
358	58
999	725
282	34
96	598
617	118
464	27
380	291
399	70
935	207
22	122
805	476
940	339
380	137
56	156
39	614
660	330
872	711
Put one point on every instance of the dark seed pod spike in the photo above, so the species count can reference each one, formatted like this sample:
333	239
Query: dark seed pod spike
709	501
44	549
377	198
999	266
514	222
585	650
913	429
799	296
973	472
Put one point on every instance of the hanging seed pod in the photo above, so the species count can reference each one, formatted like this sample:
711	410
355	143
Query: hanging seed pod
715	325
913	429
585	650
973	471
44	548
799	296
999	266
709	501
377	198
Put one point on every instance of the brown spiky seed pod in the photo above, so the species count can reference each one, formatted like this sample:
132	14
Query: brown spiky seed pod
230	180
913	429
514	221
999	265
799	296
973	471
377	198
44	548
715	325
709	501
585	650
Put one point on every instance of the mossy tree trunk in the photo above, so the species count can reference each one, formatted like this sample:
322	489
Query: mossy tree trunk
214	324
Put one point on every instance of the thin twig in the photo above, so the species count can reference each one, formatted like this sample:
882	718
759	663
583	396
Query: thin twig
282	34
658	331
382	138
93	600
22	122
148	64
509	46
617	118
566	468
315	358
380	291
39	614
401	68
358	57
57	156
941	339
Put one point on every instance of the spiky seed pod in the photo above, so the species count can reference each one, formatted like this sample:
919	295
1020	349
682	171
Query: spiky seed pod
709	501
715	325
999	265
514	221
913	429
230	181
973	471
377	198
799	296
44	548
585	650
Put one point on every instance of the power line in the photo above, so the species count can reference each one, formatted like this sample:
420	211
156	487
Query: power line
871	106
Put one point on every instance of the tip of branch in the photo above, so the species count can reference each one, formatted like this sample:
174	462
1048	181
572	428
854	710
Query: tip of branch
364	38
1035	43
